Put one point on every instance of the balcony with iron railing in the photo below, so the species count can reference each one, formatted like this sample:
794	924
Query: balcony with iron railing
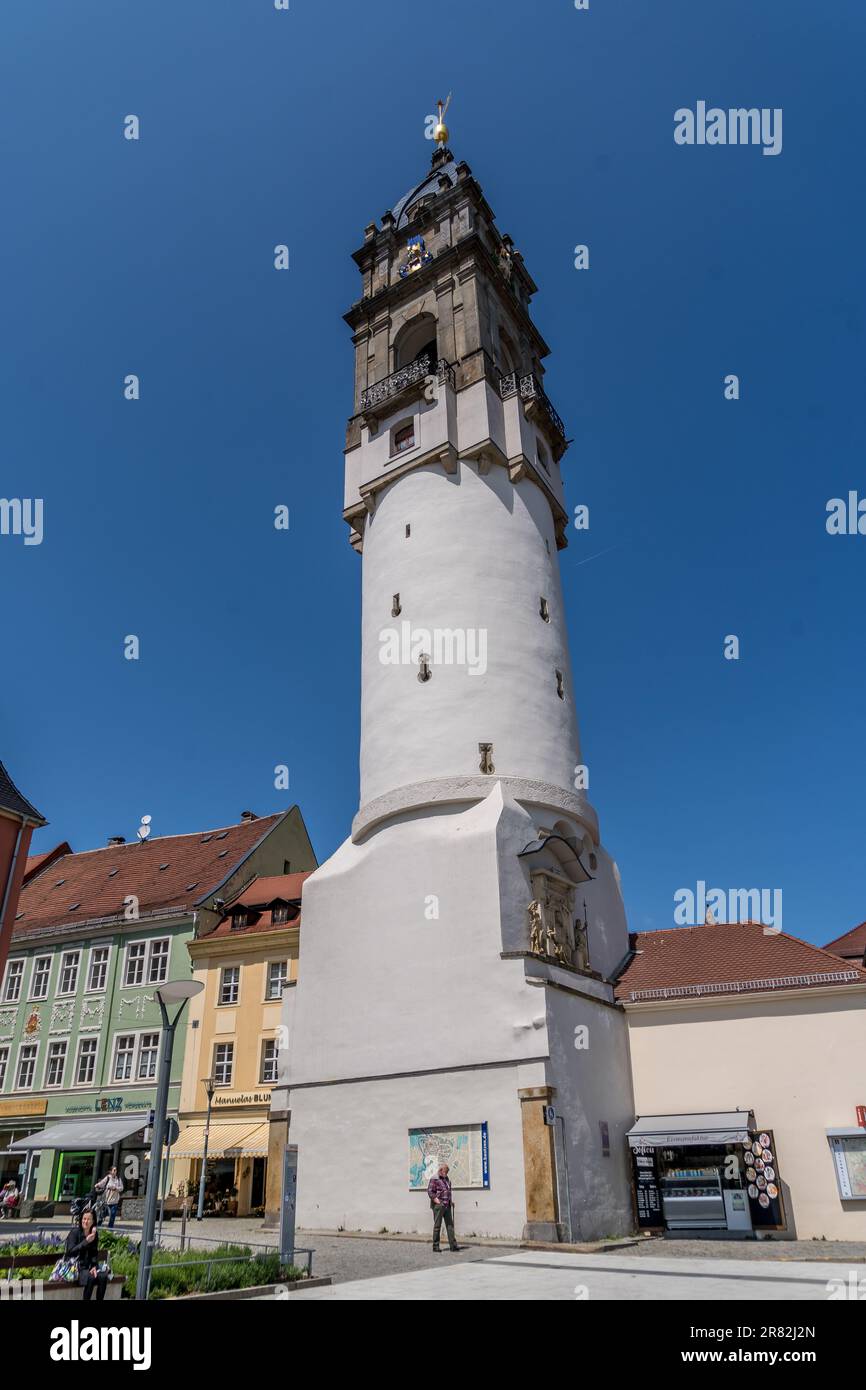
403	379
530	389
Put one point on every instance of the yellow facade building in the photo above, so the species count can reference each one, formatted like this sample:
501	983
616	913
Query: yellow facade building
245	961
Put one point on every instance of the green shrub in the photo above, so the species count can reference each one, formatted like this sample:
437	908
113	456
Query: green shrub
171	1276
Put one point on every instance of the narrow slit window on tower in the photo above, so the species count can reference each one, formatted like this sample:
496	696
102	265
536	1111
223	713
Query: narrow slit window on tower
559	686
424	672
544	609
486	764
408	530
542	455
396	610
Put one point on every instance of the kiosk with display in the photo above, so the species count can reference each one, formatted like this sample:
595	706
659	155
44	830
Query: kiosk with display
708	1172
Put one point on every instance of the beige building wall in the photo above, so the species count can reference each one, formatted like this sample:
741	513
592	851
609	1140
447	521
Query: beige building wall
796	1059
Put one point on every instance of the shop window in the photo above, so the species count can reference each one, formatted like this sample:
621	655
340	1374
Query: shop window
86	1068
14	976
268	1072
26	1067
69	972
223	1063
41	976
98	972
278	973
230	983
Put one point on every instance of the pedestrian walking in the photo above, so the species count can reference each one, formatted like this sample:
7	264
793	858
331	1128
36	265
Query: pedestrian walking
111	1186
442	1204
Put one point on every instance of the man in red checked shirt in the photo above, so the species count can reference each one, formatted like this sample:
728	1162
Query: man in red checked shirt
439	1192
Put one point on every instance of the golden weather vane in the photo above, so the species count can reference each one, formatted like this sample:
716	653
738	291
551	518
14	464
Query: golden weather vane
440	130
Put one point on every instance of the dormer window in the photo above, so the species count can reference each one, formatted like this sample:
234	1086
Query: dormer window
403	438
280	913
239	919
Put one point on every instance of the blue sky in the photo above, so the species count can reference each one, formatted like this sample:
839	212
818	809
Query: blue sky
156	257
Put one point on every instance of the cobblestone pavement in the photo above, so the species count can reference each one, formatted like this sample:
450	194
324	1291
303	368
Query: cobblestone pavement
843	1250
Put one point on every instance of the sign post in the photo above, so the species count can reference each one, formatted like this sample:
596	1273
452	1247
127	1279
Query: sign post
287	1206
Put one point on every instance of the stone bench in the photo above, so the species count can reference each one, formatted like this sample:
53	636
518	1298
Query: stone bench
29	1291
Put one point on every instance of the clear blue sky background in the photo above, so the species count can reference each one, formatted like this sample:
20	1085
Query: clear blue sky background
156	257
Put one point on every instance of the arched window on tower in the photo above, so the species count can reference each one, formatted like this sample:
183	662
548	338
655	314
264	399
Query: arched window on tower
416	340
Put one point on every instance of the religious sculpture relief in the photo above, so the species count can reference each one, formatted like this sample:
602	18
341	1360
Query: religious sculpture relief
553	932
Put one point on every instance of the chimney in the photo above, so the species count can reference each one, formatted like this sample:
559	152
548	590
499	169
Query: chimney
117	839
248	815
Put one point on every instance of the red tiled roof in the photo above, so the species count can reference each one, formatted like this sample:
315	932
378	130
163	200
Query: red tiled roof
260	894
36	862
727	958
262	891
169	872
851	944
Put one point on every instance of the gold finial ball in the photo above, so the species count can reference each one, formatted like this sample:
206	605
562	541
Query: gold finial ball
440	133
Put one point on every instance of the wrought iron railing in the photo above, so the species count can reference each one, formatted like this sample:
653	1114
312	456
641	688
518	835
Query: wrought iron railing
530	388
406	376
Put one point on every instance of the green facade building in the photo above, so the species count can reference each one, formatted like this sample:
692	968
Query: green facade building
96	934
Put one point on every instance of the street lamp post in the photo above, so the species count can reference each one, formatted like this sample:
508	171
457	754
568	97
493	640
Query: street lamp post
210	1087
173	992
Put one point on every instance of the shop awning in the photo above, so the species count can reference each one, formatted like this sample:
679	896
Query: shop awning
77	1135
679	1131
227	1139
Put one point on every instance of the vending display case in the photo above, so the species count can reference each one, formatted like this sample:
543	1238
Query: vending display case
692	1197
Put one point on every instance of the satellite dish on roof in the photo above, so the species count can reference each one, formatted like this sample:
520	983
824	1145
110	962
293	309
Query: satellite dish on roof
144	829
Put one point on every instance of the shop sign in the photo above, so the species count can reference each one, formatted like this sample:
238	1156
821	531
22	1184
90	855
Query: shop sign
228	1098
647	1196
23	1107
763	1185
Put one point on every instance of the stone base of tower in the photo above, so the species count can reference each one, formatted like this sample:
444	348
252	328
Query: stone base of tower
419	1007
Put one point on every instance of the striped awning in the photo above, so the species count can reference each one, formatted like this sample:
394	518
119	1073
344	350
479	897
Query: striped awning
227	1139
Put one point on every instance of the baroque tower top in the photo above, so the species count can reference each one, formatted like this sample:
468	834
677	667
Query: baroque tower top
446	296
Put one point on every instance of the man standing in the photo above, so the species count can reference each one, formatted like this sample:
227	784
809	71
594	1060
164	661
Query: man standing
439	1192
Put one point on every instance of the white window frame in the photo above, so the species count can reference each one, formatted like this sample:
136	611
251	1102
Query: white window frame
5	1050
55	1085
158	941
147	1033
229	1003
130	1052
137	1035
149	943
8	977
270	1081
68	993
21	1047
83	1085
275	998
97	989
32	996
224	1085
